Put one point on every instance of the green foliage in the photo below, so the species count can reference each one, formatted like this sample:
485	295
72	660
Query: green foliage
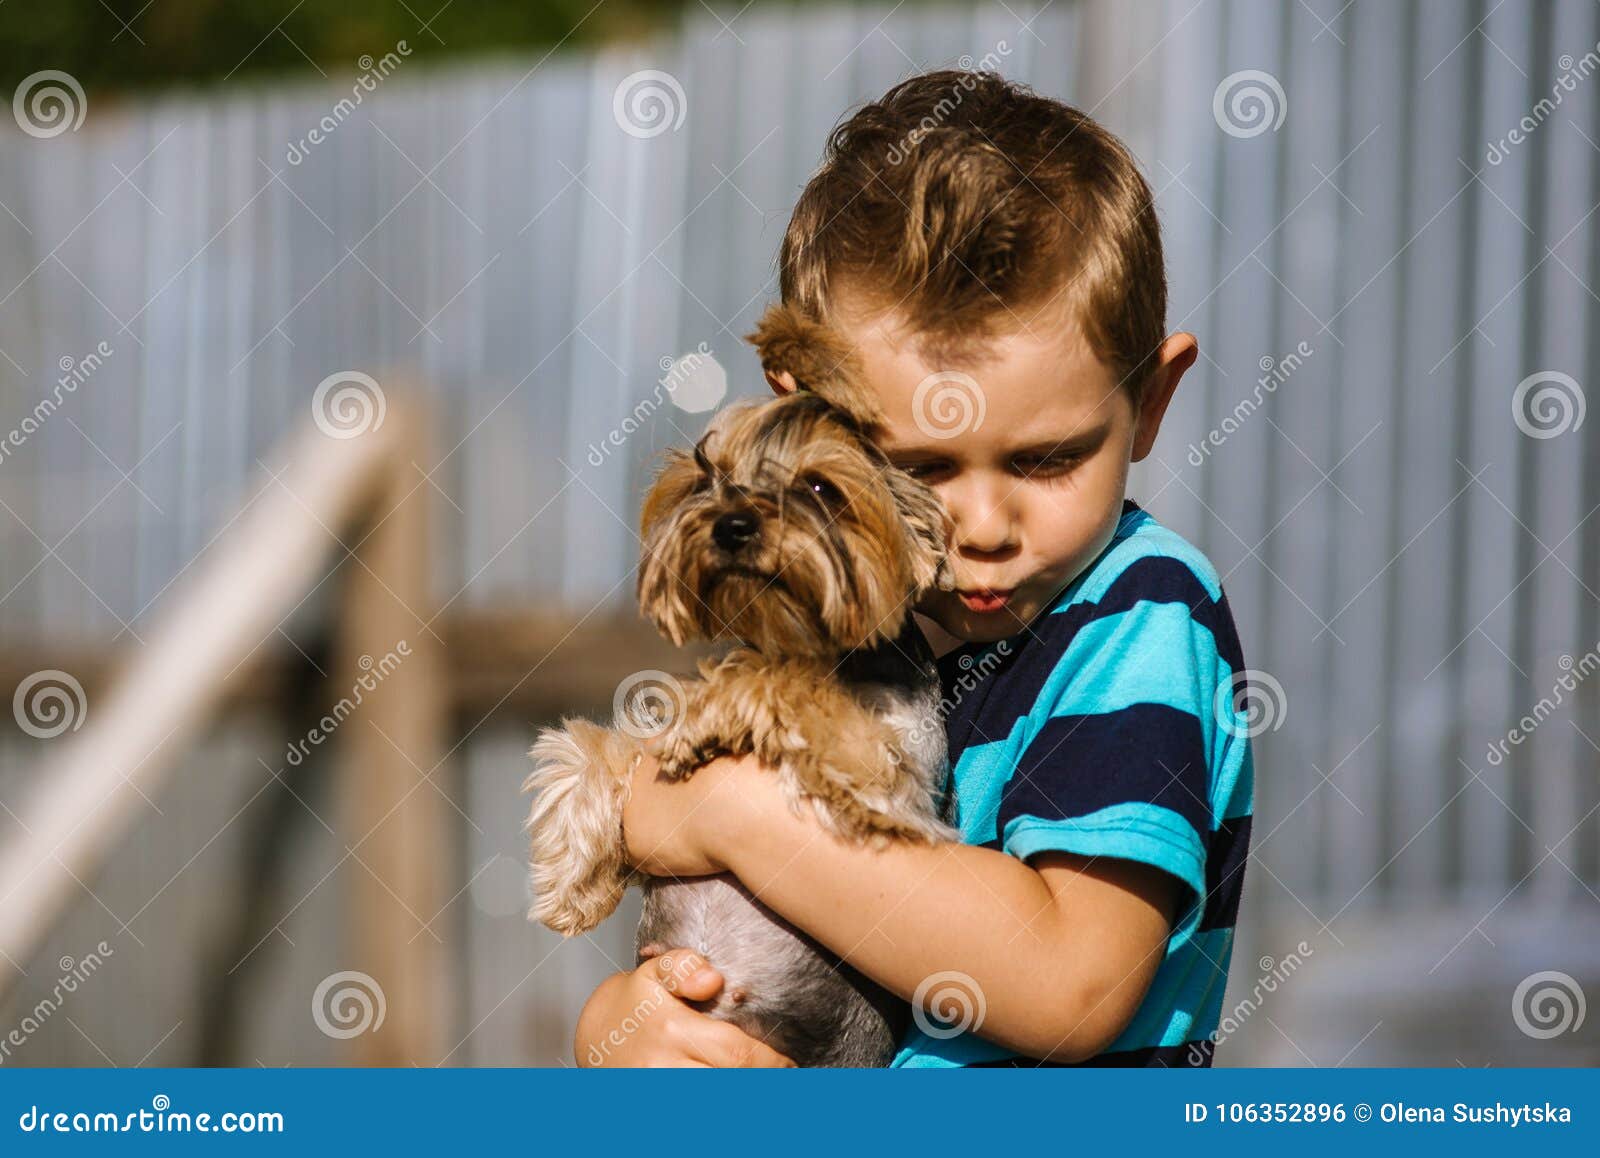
177	42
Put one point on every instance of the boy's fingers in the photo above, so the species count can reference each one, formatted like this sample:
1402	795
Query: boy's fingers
701	1039
728	1047
686	974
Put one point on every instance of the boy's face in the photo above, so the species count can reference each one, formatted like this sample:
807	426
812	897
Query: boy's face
1035	488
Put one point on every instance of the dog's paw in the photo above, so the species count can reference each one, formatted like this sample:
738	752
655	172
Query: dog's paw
928	830
675	759
682	755
578	867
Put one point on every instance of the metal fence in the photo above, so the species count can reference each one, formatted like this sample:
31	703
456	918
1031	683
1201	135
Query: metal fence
1374	267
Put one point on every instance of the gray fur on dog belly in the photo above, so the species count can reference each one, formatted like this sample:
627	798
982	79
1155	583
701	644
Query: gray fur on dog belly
796	996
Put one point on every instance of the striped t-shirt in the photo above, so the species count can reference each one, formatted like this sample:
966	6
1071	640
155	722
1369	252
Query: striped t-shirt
1114	726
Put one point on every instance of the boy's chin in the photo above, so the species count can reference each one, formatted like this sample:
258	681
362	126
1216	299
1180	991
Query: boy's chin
947	610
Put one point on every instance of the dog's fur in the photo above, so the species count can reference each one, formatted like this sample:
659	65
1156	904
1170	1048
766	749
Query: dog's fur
787	530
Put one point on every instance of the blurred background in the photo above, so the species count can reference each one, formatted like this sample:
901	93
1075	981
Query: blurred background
332	346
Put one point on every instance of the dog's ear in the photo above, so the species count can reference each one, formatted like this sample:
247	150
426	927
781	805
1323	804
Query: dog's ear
929	526
678	476
815	357
663	597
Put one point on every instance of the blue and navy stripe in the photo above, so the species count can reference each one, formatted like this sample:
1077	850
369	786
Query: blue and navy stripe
1104	730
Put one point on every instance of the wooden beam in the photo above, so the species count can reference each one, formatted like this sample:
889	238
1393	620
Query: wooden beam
393	784
521	664
87	792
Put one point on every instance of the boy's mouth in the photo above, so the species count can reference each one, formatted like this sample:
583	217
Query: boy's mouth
986	600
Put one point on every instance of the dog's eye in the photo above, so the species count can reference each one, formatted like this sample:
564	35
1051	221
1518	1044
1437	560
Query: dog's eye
823	489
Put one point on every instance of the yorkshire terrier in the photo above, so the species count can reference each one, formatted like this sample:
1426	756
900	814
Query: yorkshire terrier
786	530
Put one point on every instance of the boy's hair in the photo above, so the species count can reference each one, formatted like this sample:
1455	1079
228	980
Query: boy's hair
964	200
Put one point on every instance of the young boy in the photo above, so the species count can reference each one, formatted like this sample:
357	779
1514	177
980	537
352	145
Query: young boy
1101	768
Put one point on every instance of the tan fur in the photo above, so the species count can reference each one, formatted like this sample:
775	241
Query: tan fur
580	784
817	357
795	718
843	545
825	578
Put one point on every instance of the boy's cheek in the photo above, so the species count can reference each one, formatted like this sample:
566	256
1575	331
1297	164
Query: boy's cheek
945	612
940	606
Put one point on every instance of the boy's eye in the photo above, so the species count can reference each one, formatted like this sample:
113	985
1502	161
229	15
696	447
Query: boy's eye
927	471
1045	466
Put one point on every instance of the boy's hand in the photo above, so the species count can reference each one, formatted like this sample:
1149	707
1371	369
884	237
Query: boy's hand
641	1019
678	828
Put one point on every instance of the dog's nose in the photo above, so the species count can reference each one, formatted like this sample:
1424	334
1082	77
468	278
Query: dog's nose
733	531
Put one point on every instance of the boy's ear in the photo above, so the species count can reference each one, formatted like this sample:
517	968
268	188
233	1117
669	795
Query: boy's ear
799	352
1173	359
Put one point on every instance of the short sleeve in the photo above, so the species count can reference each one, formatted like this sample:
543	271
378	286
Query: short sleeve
1121	766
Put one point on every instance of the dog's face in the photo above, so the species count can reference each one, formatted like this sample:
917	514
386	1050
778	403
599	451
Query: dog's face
787	529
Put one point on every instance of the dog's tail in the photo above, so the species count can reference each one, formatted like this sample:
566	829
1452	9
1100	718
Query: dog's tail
580	784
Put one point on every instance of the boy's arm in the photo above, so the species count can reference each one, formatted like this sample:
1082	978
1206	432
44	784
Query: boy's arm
1061	949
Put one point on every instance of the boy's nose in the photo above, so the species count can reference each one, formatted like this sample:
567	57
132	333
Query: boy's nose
983	525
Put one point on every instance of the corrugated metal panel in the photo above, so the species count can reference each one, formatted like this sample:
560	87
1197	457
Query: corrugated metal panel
1406	563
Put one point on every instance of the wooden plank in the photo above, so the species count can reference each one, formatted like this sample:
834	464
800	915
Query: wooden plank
393	799
87	790
512	661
